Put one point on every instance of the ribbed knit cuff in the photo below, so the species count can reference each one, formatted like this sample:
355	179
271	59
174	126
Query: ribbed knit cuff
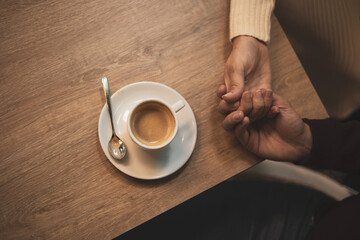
251	18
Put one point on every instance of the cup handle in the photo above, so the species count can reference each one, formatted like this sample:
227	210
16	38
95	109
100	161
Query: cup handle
178	106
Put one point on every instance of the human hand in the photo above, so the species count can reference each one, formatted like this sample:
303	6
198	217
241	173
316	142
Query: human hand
281	135
247	69
256	105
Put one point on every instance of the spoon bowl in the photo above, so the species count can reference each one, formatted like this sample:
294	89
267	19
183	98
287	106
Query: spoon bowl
116	146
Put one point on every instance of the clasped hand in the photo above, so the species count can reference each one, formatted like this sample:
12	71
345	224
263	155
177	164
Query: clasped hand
262	121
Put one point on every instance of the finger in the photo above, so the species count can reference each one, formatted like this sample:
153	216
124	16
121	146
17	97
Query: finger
232	120
221	90
246	104
258	106
242	131
236	84
279	104
263	91
268	100
226	80
274	110
226	108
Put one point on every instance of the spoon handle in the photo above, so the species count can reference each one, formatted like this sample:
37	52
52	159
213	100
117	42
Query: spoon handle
107	96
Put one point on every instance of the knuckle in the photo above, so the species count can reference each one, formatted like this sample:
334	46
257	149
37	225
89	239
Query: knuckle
226	126
258	104
222	108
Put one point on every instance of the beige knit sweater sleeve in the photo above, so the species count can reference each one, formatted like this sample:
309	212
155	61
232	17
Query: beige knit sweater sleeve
252	18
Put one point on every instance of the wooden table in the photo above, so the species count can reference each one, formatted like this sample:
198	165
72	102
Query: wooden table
55	181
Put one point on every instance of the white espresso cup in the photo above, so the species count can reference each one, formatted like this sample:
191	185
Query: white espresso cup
152	124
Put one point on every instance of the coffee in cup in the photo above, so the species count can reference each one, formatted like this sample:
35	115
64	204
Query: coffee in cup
153	124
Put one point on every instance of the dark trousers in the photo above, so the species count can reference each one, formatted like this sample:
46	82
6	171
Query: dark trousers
239	210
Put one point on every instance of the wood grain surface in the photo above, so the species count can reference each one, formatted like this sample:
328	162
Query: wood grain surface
55	181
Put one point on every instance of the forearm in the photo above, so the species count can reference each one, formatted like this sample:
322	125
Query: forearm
251	18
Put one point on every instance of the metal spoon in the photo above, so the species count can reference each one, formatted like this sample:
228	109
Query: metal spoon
116	147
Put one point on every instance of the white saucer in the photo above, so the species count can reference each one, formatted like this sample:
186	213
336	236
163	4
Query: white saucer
140	163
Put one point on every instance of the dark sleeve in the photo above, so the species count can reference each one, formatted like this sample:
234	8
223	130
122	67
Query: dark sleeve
336	145
339	221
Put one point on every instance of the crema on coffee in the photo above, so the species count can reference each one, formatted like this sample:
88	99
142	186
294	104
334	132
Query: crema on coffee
152	123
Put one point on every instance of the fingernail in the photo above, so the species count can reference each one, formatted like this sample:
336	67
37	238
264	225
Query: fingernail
237	117
268	93
228	94
258	94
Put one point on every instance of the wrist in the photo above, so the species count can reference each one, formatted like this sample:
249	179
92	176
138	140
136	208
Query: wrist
306	142
237	40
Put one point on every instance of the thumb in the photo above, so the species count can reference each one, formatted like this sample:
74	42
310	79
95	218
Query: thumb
236	87
282	108
242	132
